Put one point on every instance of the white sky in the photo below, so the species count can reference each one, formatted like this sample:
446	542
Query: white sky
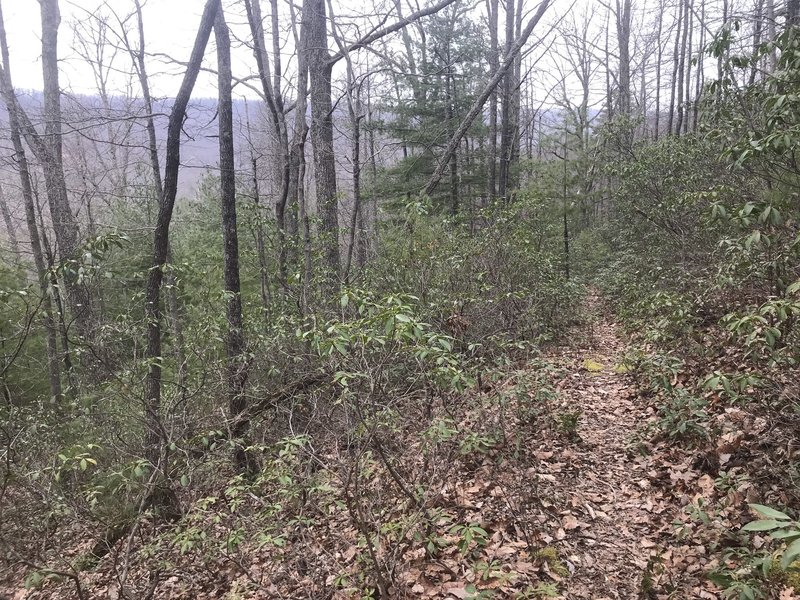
170	28
171	25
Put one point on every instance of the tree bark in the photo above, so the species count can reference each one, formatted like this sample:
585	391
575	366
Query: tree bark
623	14
155	433
42	272
507	111
236	369
677	71
492	7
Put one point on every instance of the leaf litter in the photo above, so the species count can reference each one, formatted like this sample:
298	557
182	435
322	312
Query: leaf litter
569	502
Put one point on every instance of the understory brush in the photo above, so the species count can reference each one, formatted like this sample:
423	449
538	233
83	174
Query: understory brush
705	281
364	415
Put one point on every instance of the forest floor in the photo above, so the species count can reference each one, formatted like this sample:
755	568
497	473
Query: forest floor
582	500
620	498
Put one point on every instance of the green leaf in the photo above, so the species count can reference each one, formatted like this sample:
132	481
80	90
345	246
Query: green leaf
770	513
785	534
790	554
184	480
762	525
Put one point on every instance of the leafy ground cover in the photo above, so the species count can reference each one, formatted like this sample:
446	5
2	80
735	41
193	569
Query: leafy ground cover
557	480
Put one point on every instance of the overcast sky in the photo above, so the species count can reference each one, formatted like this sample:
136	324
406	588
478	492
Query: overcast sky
170	28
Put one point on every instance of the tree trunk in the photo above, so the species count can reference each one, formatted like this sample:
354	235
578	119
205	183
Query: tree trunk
236	370
506	118
609	89
173	306
65	225
319	70
758	23
624	75
296	192
492	7
682	68
155	433
274	101
690	33
772	33
355	112
42	272
141	72
677	71
698	84
659	56
450	117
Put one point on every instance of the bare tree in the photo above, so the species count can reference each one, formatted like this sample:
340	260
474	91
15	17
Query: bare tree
320	65
156	435
236	369
477	105
47	148
681	66
492	8
272	94
677	69
44	275
659	60
623	18
507	112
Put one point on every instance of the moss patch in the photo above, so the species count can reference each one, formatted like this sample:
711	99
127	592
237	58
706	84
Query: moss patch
592	365
549	555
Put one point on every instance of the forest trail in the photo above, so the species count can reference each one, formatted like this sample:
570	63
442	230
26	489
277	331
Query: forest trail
612	511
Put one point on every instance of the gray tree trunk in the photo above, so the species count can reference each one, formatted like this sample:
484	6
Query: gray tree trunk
156	435
236	369
42	272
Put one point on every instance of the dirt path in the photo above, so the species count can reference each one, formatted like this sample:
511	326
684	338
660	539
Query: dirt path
614	514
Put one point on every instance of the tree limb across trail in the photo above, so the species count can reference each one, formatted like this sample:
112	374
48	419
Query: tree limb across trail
477	106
